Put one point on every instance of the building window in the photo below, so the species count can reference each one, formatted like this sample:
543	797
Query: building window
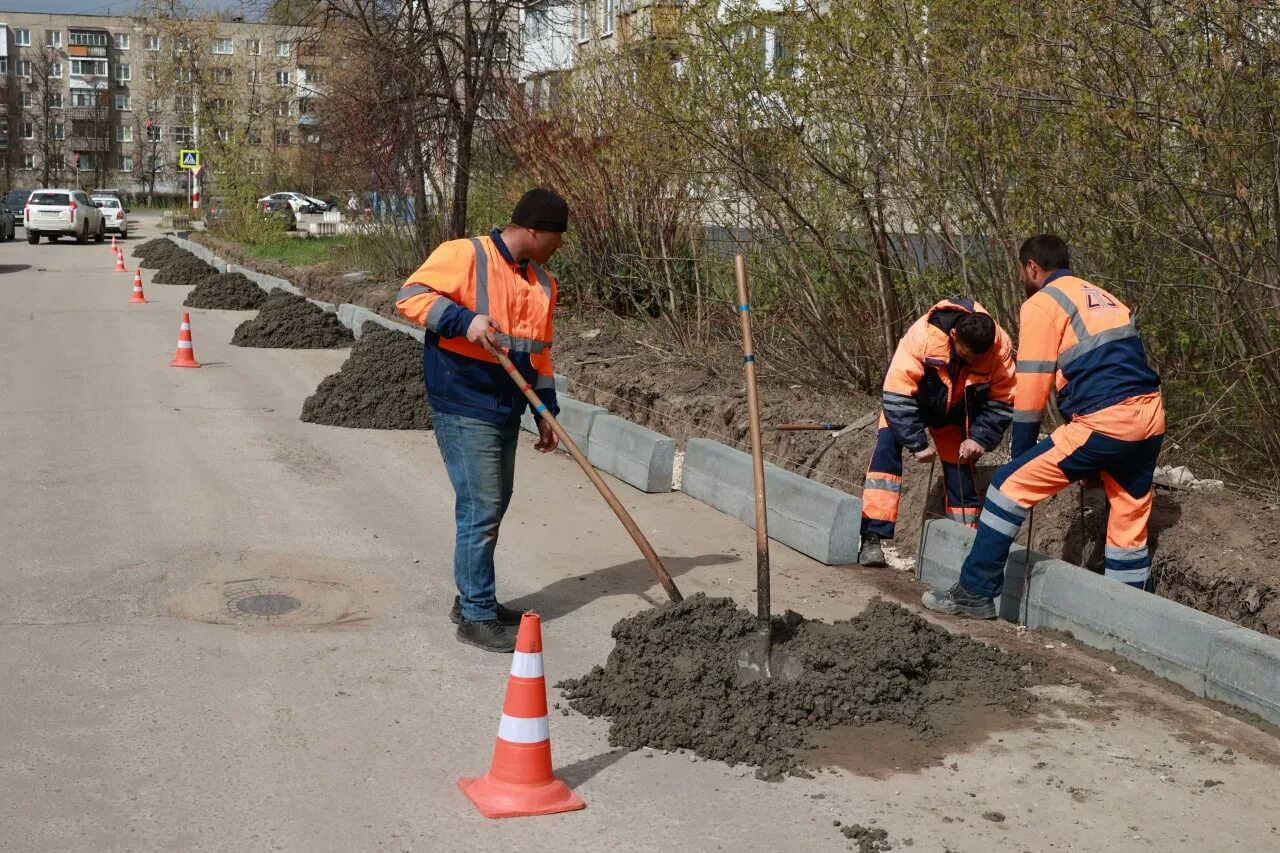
155	133
255	77
126	162
223	134
219	105
282	48
151	74
59	131
55	70
584	21
88	68
282	137
282	78
282	109
607	8
157	165
123	72
223	47
254	137
53	38
255	165
22	37
182	135
183	104
81	98
253	47
24	69
153	105
27	130
182	44
122	41
124	133
89	39
55	100
4	65
28	161
124	103
28	99
222	76
184	75
153	42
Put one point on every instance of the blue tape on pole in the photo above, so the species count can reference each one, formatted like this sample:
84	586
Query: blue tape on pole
744	308
748	358
540	408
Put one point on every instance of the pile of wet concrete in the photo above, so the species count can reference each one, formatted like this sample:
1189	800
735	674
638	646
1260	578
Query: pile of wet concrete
673	681
378	387
226	291
289	321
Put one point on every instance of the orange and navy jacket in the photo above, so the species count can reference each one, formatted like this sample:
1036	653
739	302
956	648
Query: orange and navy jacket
929	386
1077	338
463	278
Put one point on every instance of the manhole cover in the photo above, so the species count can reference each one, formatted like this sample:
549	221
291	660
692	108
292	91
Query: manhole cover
265	604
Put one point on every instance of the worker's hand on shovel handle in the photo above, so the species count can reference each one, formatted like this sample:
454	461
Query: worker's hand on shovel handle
547	440
926	455
971	451
481	332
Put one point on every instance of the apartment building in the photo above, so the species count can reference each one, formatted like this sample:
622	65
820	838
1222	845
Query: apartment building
108	101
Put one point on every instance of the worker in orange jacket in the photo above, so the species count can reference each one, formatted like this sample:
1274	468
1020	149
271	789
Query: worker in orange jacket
952	378
474	296
1080	339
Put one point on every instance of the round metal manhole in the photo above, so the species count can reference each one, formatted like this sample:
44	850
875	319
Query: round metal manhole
266	604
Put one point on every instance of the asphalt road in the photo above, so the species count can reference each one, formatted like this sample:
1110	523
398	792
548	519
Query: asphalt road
140	709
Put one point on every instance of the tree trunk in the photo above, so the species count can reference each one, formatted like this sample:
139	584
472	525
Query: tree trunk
461	177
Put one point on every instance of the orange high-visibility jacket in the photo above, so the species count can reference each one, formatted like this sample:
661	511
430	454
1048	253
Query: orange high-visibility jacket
1078	338
929	386
463	278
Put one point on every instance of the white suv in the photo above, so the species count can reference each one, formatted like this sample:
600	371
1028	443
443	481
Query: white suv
114	214
56	212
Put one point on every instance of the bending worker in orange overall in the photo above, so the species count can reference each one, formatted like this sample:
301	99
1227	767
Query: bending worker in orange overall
474	296
1081	339
951	377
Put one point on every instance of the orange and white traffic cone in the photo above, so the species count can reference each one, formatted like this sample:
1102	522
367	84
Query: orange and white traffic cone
114	248
120	261
520	782
186	354
138	295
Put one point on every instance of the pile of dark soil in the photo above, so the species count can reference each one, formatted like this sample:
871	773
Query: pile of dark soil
287	321
378	387
229	291
183	268
158	252
672	680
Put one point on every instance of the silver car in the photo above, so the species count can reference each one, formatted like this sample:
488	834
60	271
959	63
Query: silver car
61	212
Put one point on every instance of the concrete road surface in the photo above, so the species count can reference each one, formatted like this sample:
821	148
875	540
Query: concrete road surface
144	706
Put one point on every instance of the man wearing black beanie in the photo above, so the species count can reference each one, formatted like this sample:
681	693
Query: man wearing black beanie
475	296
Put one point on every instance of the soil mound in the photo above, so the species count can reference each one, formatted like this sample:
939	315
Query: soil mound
183	268
378	387
156	253
229	291
672	680
288	321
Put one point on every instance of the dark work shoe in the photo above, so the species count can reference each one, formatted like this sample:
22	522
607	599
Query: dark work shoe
506	615
958	601
871	554
490	635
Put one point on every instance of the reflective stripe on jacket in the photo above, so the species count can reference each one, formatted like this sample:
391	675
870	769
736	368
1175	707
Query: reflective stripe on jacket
463	278
928	385
1077	338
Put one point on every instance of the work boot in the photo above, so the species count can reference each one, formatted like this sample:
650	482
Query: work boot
490	635
506	615
871	554
958	601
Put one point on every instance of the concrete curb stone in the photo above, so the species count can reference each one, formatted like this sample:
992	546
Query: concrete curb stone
635	455
1244	670
816	520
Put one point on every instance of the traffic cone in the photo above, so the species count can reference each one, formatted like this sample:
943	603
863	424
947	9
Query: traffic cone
520	782
186	354
138	295
113	244
120	261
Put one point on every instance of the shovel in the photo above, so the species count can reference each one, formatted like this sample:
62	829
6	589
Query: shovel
759	659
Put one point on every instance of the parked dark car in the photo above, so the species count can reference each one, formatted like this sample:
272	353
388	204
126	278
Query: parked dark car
16	202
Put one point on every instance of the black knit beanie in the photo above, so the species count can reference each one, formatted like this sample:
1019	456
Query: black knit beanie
543	210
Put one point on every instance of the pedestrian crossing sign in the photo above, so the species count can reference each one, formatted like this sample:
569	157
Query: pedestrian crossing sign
189	158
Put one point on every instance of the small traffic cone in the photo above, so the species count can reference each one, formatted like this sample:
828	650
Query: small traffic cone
186	354
114	248
138	295
120	261
520	782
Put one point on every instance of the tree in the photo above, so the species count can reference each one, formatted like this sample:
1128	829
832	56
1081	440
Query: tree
46	114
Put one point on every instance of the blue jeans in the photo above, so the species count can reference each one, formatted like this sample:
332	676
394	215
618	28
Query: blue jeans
480	458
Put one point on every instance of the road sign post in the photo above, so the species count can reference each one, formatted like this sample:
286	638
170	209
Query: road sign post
189	159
